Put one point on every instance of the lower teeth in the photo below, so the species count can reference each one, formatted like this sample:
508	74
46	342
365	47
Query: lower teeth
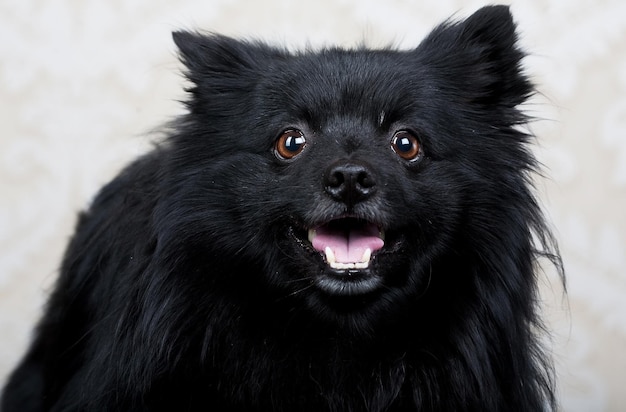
359	265
332	261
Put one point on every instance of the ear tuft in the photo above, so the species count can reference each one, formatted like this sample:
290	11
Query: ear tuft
187	42
213	55
492	25
481	57
192	48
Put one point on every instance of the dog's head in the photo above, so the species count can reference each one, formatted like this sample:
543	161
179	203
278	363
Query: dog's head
345	176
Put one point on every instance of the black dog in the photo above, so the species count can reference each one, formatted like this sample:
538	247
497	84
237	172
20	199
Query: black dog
341	230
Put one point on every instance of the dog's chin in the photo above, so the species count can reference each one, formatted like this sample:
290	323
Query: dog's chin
348	282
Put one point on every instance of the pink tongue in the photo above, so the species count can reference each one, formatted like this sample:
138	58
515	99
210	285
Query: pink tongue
348	245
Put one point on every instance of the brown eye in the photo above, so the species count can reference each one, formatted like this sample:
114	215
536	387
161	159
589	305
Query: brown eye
289	144
406	145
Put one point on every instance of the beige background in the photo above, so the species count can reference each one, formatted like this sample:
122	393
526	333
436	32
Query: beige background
81	82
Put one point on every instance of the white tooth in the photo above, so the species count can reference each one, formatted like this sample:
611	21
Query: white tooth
312	234
348	266
339	265
366	255
330	256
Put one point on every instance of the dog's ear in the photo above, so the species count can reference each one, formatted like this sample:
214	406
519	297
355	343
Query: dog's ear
480	57
221	69
212	55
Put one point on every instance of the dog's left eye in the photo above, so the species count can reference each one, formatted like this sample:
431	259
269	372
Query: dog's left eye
289	144
406	145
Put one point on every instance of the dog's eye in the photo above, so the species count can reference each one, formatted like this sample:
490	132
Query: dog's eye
406	145
290	144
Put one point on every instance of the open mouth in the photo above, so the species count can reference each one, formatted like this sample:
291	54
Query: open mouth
347	243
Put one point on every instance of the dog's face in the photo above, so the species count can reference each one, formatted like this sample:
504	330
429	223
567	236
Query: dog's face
361	198
341	177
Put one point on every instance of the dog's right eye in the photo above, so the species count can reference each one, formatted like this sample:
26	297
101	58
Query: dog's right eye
290	144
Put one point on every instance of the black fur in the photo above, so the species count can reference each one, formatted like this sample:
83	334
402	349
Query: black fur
190	285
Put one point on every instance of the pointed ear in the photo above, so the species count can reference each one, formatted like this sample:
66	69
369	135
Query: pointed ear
223	71
480	57
491	26
209	55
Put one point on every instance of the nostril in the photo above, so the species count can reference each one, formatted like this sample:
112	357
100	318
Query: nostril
336	179
365	180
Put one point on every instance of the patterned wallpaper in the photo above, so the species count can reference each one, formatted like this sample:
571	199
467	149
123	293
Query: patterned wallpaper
82	83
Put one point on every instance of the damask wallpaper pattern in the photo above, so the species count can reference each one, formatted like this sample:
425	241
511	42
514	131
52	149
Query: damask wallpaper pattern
82	84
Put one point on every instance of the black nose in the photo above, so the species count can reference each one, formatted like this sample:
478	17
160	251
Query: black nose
349	182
